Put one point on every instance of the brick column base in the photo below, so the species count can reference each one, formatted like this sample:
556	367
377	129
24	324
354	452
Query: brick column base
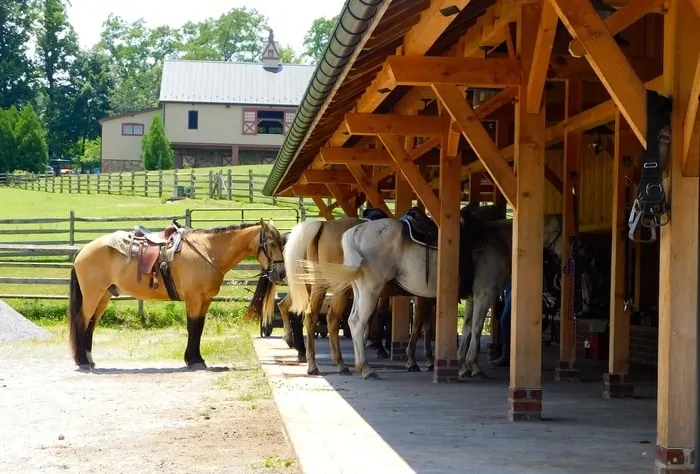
524	404
674	460
445	370
617	386
398	351
566	371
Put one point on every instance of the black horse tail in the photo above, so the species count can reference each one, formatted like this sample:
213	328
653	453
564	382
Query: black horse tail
76	324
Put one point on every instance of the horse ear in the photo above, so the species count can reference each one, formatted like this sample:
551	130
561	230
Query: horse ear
262	224
270	223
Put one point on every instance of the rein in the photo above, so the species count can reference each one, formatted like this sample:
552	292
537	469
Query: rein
206	259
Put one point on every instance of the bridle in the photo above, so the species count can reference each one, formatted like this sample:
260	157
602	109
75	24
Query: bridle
262	248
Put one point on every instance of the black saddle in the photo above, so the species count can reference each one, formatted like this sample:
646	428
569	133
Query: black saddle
374	214
420	228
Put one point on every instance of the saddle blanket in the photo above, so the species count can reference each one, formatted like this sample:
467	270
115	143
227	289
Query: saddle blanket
125	243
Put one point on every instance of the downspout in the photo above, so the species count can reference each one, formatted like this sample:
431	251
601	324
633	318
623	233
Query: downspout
348	32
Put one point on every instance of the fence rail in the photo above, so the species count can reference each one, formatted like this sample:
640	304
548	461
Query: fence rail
70	231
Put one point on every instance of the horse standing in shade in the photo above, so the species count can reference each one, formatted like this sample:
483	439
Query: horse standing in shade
176	264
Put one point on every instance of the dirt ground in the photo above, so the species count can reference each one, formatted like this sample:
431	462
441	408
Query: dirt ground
134	416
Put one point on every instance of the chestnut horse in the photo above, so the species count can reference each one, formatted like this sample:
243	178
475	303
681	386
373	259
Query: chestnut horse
111	264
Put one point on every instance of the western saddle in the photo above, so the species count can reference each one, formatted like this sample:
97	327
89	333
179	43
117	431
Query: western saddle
420	228
154	252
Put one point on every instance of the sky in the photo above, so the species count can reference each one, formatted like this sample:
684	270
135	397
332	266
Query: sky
288	19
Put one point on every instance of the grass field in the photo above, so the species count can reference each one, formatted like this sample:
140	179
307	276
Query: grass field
32	204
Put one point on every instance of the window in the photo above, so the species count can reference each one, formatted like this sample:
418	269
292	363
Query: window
132	129
266	122
193	119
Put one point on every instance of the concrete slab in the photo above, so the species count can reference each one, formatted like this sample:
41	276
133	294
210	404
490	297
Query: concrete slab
404	423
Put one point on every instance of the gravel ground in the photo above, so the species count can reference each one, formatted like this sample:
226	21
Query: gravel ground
15	327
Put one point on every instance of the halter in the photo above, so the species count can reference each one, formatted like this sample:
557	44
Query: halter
262	247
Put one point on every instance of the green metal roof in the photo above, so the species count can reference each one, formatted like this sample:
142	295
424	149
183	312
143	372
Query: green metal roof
347	34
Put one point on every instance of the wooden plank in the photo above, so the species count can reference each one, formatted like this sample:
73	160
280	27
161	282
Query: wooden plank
537	76
323	210
478	138
471	72
329	177
607	60
369	188
446	364
430	26
375	124
475	188
404	163
691	124
338	192
526	296
621	19
358	156
678	243
311	190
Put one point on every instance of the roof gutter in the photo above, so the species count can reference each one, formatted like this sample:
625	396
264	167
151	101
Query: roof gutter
349	32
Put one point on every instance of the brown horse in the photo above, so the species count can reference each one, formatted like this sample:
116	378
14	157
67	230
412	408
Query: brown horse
193	272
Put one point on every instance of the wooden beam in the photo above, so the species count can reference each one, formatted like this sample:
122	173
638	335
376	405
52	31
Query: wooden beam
311	190
691	124
358	156
696	5
525	393
329	176
478	138
553	179
493	104
404	163
607	60
618	356
620	20
678	247
348	208
475	188
323	209
415	154
563	67
375	124
471	72
432	23
540	60
369	188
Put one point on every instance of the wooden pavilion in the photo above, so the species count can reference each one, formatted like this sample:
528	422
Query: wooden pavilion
525	101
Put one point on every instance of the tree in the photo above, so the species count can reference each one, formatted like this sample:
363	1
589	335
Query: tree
317	38
8	143
92	153
289	56
32	151
16	68
155	147
234	36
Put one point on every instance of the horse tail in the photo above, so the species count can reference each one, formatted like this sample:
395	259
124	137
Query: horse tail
76	324
301	236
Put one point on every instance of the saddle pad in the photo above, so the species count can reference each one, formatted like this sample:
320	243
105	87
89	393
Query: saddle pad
121	241
408	233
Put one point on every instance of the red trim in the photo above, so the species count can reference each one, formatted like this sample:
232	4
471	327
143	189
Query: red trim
133	124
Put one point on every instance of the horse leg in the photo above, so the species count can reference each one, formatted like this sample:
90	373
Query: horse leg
284	306
297	329
85	329
387	325
481	307
311	321
379	340
196	314
429	332
413	340
466	336
99	311
339	304
365	303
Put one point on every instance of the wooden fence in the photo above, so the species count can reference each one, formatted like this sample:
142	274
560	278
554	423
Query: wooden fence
37	246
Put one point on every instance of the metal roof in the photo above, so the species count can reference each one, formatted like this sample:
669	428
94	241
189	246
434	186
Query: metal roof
233	83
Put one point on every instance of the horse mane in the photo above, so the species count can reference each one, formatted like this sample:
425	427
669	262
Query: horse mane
225	229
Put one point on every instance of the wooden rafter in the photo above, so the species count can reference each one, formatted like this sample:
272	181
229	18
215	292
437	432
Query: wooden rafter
374	124
329	177
537	74
478	138
404	163
621	19
691	126
311	190
472	72
340	200
323	208
369	188
607	60
696	5
358	156
431	24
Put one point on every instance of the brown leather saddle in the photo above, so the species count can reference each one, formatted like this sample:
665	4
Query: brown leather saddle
154	252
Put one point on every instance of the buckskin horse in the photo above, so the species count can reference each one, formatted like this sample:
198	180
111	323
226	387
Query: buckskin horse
179	263
385	257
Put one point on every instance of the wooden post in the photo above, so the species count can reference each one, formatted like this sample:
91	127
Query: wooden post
616	380
229	184
71	228
678	261
446	363
566	370
192	184
400	304
251	188
160	183
133	183
525	392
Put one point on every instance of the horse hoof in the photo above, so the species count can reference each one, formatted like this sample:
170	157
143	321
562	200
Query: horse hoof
301	358
197	366
371	376
290	344
345	371
382	355
85	367
313	371
414	368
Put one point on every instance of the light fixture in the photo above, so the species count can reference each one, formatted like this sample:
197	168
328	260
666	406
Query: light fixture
449	11
599	133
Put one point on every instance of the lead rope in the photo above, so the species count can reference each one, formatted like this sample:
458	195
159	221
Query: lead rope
570	269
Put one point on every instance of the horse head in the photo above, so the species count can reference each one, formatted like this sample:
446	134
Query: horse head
270	250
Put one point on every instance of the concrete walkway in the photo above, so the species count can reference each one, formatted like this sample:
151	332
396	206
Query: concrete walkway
404	423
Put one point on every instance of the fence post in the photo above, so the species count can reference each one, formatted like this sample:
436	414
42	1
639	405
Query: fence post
60	182
174	178
302	209
145	183
250	184
121	184
160	183
71	229
188	218
142	317
109	183
211	184
88	183
192	184
230	184
133	183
